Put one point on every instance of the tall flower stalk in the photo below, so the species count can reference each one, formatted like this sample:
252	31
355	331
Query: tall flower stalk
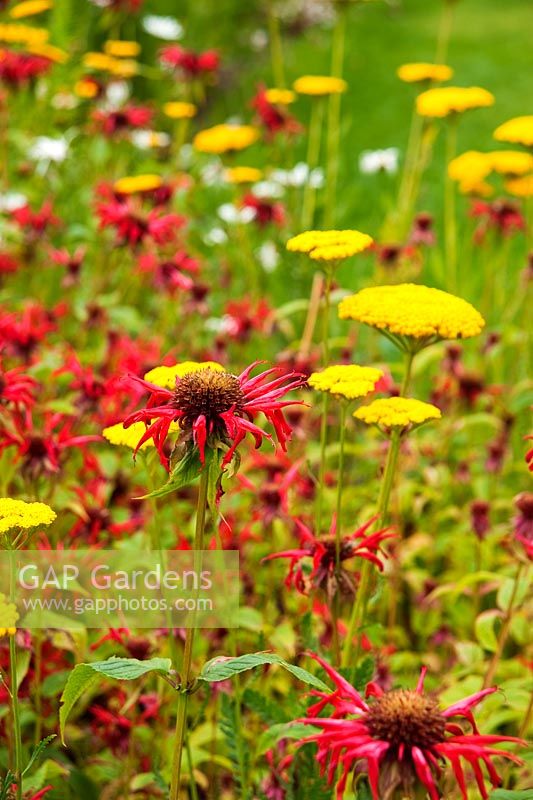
334	118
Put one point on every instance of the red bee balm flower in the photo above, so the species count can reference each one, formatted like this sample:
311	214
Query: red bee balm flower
323	553
213	406
404	737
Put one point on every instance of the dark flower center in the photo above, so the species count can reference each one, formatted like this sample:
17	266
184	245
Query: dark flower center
406	717
207	392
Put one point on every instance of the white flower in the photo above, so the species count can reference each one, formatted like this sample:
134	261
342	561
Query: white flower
212	174
10	201
372	161
268	189
215	236
117	93
299	175
45	148
145	140
231	214
259	39
268	256
166	28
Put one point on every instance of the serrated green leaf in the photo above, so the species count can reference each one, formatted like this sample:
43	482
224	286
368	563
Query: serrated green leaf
38	751
221	668
185	472
485	628
85	675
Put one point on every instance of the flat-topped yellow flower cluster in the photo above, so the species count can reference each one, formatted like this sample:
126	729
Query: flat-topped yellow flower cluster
330	245
421	71
19	514
166	376
452	99
411	310
346	380
225	138
397	412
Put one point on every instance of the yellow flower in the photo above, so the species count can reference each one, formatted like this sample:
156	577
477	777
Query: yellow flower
518	130
86	89
46	50
280	97
511	162
99	61
422	71
124	68
137	183
319	85
346	380
452	99
469	169
225	138
414	311
329	245
243	175
19	514
122	49
521	187
127	437
22	34
397	412
166	376
29	8
8	616
179	110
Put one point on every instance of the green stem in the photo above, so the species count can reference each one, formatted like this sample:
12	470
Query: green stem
313	153
407	373
181	720
445	30
16	715
450	223
335	610
504	633
276	48
334	117
322	468
395	227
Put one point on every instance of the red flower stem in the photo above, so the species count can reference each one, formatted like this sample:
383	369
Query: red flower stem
181	720
504	633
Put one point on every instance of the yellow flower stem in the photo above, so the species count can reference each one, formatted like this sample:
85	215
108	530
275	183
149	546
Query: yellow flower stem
325	399
334	117
335	611
394	228
504	633
362	598
444	33
14	689
450	223
276	47
313	153
181	720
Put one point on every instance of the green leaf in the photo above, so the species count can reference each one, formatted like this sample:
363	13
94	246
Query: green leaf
38	751
508	794
83	676
221	668
485	629
185	472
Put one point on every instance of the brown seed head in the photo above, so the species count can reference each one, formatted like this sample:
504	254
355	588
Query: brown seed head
406	717
207	392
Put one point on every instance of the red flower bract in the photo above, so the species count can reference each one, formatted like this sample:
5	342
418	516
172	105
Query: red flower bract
403	736
213	406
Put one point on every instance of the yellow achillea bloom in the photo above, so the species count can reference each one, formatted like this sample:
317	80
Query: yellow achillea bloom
346	380
414	311
137	183
329	245
124	67
469	170
29	8
127	437
511	162
122	49
22	34
422	71
19	514
319	85
225	138
99	61
397	412
55	54
8	617
518	130
243	175
166	376
180	110
521	187
280	97
452	99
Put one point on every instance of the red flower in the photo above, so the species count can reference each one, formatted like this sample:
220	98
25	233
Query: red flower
192	64
131	116
72	263
274	118
217	407
524	522
529	455
265	211
170	274
16	388
501	215
403	736
133	226
19	69
8	264
35	222
323	553
21	334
